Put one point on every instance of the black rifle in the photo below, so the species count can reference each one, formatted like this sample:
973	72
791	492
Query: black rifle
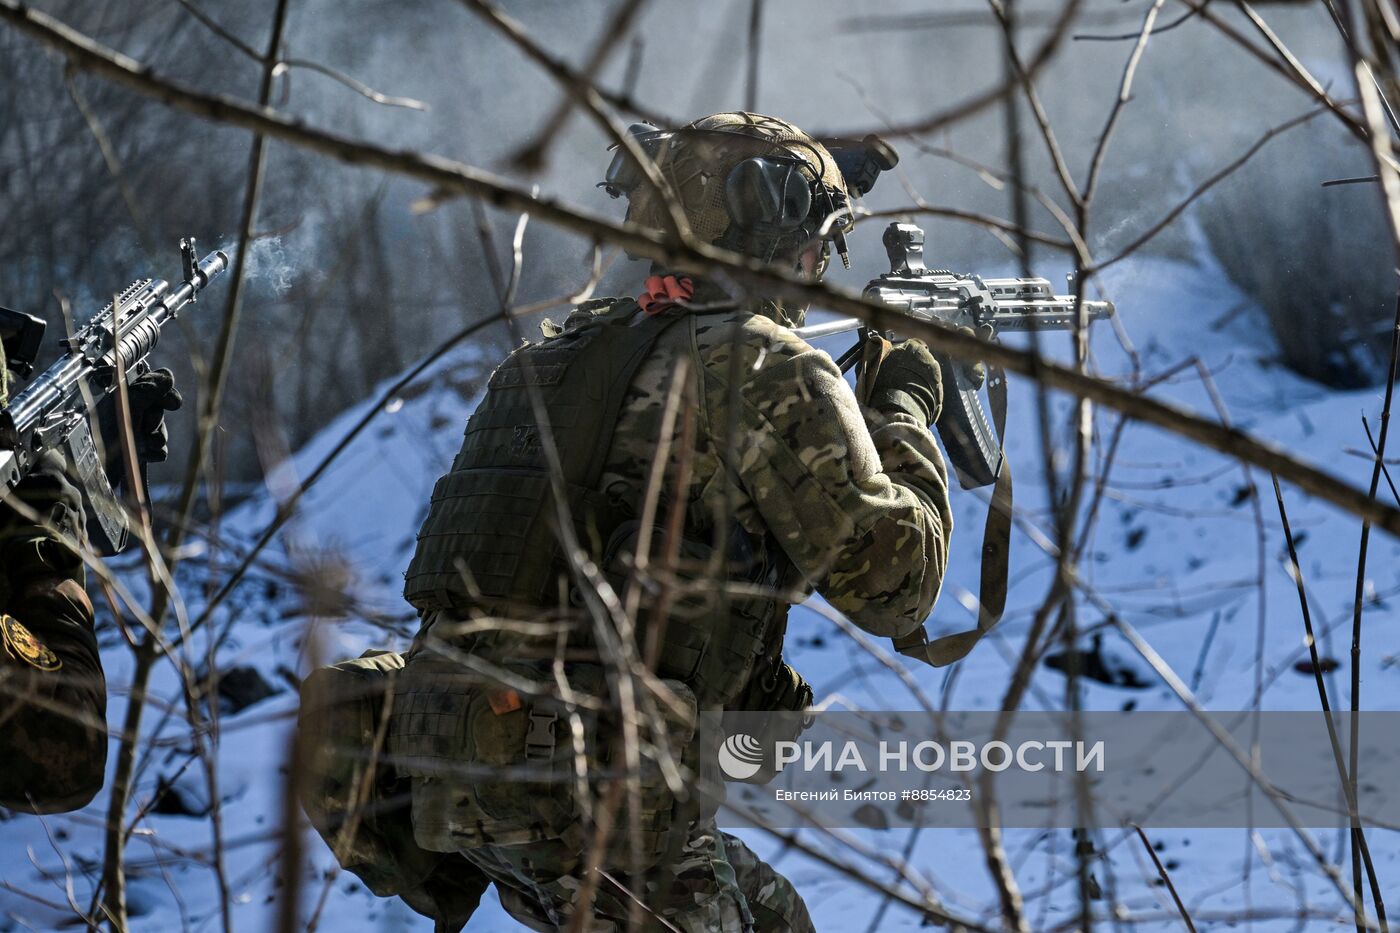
51	413
940	296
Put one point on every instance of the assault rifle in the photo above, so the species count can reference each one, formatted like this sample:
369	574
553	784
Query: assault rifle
937	295
988	307
51	413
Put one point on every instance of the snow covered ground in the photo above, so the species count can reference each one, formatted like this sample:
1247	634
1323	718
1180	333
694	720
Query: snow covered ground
1176	551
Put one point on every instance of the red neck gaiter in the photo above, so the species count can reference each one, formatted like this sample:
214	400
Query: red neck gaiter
661	293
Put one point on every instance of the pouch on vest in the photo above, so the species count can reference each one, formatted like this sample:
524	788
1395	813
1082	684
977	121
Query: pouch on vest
712	637
358	802
495	767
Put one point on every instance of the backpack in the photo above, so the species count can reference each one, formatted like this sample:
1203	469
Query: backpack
358	802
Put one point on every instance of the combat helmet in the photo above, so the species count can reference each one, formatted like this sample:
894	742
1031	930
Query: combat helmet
751	183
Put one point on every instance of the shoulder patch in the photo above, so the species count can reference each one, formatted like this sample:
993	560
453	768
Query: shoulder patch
20	643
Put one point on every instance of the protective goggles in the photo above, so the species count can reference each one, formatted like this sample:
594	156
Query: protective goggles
861	161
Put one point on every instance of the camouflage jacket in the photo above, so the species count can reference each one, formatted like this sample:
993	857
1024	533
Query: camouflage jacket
785	485
857	501
788	486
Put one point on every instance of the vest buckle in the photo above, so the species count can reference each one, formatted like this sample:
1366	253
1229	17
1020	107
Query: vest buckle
540	738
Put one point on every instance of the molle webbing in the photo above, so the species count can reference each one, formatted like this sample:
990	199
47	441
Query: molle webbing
490	533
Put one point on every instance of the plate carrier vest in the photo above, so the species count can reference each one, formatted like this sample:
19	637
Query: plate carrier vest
489	541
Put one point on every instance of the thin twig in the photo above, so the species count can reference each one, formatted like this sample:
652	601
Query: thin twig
287	509
1166	879
1151	232
445	173
1344	774
1128	36
281	65
1381	148
1370	439
592	102
1269	58
531	157
1241	757
1125	92
922	126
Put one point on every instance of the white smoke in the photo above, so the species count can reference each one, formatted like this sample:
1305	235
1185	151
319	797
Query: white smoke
275	262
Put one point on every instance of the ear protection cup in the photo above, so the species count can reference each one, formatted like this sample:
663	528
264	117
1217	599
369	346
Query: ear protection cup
765	195
751	183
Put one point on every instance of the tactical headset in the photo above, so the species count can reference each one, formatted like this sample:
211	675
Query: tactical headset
768	198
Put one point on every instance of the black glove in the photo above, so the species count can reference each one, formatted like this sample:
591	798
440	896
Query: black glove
149	397
909	380
27	550
774	686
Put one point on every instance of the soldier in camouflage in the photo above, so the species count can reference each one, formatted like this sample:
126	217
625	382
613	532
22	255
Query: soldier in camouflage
779	479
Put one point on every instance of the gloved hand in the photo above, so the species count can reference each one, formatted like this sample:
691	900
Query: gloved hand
909	380
149	397
976	372
30	551
776	686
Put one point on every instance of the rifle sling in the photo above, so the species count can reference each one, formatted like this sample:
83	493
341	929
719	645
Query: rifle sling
996	552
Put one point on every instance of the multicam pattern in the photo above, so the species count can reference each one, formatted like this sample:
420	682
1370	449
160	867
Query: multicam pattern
773	901
714	884
859	507
852	502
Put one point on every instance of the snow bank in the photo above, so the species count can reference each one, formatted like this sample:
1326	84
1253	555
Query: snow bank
1176	551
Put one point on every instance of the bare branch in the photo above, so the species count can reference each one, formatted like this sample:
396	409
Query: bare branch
447	174
1127	36
1147	236
359	87
532	155
1166	879
1301	79
279	66
975	105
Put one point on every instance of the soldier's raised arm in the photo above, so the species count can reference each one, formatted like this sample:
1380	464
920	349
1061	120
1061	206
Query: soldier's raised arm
858	500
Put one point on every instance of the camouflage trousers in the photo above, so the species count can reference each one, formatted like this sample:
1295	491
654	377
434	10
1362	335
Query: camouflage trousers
716	884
